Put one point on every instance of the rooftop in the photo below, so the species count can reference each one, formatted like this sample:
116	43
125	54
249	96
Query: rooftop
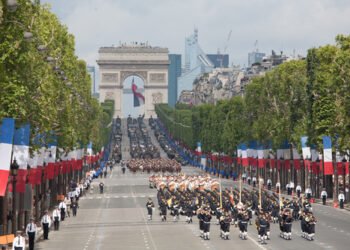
134	47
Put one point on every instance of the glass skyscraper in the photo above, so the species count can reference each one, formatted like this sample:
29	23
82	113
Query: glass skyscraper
173	74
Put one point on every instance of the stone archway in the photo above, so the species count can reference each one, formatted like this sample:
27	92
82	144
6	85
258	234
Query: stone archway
148	63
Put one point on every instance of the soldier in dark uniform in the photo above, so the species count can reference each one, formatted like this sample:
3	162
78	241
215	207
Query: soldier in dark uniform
200	216
225	221
261	224
149	206
206	223
243	219
286	223
163	209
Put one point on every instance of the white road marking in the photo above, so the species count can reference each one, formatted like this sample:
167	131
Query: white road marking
256	243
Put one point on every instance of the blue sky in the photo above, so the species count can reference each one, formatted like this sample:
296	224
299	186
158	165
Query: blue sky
276	24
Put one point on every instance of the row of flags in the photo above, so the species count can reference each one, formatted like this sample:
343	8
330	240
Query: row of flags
259	155
48	161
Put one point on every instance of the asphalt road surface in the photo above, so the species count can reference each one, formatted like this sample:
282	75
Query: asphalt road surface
117	219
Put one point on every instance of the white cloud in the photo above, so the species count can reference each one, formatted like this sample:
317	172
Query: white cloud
277	24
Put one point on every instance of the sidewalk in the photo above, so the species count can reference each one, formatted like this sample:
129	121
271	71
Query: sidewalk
40	232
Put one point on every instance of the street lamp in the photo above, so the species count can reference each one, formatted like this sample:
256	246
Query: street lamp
14	171
42	48
11	5
27	36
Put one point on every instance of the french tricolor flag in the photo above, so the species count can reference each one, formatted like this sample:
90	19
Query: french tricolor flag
306	151
139	99
261	161
21	155
51	158
7	130
89	152
40	165
244	155
33	163
327	154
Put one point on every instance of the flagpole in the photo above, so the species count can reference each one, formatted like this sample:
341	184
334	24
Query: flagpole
279	191
260	193
240	189
220	192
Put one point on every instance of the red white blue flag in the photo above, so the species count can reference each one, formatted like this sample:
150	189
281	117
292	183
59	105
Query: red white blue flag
327	154
7	130
139	99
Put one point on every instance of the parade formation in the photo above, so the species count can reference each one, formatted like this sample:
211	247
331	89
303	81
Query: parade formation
204	197
154	165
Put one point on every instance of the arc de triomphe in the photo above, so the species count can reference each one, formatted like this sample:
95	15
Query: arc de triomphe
149	63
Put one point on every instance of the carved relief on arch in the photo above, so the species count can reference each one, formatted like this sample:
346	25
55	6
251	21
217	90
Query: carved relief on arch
157	98
126	74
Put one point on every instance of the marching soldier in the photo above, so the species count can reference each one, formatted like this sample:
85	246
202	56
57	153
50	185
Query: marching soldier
31	231
206	223
200	215
225	221
261	224
149	206
243	219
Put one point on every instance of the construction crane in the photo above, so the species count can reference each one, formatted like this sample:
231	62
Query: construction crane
256	46
225	48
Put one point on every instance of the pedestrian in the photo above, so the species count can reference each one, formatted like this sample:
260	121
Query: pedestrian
74	207
288	189
291	186
324	196
269	184
63	208
19	242
341	199
244	177
46	223
31	231
68	203
278	187
56	218
248	180
101	185
308	193
298	189
149	206
254	181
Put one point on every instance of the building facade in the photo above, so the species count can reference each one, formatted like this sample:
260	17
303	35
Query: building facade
255	57
173	74
151	64
92	72
196	63
219	60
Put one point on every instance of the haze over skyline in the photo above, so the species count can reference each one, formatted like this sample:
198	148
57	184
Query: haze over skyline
279	25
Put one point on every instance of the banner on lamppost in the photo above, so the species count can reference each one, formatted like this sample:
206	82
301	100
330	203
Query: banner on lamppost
327	154
244	154
21	155
7	130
